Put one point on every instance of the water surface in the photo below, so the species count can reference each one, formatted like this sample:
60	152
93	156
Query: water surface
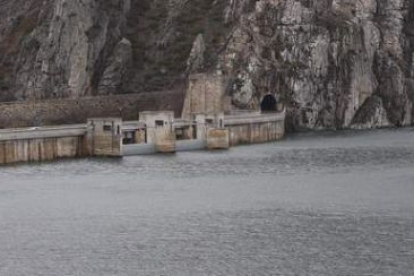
314	204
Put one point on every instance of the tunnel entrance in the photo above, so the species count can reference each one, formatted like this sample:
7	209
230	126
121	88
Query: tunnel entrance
268	104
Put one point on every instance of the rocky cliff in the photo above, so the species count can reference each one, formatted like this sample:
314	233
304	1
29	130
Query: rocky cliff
334	63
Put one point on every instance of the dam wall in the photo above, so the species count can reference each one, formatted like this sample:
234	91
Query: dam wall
155	132
200	118
254	128
35	145
99	137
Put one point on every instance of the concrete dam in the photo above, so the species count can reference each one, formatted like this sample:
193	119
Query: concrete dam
206	122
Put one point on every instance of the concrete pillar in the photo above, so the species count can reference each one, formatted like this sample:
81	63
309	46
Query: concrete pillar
200	124
160	129
218	138
140	136
219	120
104	137
217	135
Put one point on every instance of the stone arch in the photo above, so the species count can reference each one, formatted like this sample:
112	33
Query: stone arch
268	103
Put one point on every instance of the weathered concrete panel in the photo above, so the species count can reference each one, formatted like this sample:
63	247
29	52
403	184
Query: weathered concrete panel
67	147
48	149
35	150
104	137
160	129
259	132
218	139
164	140
255	127
159	124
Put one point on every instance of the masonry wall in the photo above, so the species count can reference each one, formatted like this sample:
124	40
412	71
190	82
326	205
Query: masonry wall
204	95
69	111
44	149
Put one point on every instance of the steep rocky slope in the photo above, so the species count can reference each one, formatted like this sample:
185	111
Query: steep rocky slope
334	63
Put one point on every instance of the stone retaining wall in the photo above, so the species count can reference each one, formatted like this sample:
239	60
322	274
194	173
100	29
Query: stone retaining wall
70	111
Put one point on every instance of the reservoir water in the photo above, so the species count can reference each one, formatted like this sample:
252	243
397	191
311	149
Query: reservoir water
330	203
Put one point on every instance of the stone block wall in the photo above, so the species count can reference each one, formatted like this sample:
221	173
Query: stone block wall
205	94
69	111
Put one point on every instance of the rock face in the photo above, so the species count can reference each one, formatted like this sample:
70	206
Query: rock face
328	60
58	48
333	63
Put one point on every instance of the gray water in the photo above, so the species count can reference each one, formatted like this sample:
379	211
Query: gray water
314	204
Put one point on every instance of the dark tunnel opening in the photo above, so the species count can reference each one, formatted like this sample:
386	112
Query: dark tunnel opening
268	104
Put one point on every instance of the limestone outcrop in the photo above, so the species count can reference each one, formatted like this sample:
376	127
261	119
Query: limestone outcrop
330	61
56	49
333	63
